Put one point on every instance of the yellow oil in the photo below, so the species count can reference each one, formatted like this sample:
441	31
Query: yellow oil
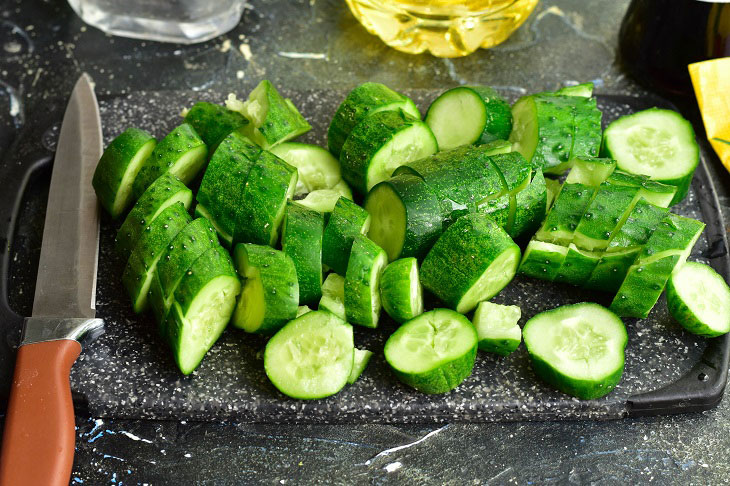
446	28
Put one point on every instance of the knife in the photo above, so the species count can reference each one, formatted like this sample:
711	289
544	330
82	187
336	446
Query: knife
38	439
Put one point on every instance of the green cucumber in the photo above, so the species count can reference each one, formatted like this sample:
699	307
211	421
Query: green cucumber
699	299
401	291
553	189
472	261
566	213
611	270
311	357
655	142
333	295
531	207
515	173
348	220
324	200
317	168
578	349
585	90
604	215
499	209
270	294
577	265
118	166
497	328
214	122
433	353
591	171
674	234
303	309
360	361
467	115
364	100
587	124
653	191
362	282
225	238
301	239
542	260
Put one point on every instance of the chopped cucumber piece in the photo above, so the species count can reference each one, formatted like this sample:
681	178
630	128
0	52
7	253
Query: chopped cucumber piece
577	265
348	220
333	295
214	122
362	282
401	291
531	207
361	358
225	238
324	200
591	171
604	215
301	239
587	136
553	189
542	260
653	191
317	168
585	90
565	214
699	299
303	309
515	173
497	328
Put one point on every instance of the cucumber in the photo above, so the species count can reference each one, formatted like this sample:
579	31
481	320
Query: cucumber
496	147
653	191
324	200
553	189
499	209
333	295
303	309
497	328
270	183
362	282
118	166
565	214
515	173
587	124
577	265
317	168
611	270
360	361
542	260
301	239
270	294
578	349
605	214
433	353
591	171
164	192
181	153
311	357
472	261
406	216
673	235
381	143
468	115
364	100
225	238
699	299
401	291
658	143
142	263
531	207
273	118
348	220
214	122
585	90
202	306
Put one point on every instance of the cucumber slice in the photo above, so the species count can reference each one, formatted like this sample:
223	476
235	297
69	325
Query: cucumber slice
270	294
585	90
381	143
655	142
699	299
406	216
401	291
605	215
578	349
497	328
587	124
674	235
577	265
565	214
142	263
164	192
472	261
611	270
311	357
496	147
362	282
531	207
361	358
333	295
324	200
225	238
301	239
364	100
214	122
553	189
348	220
317	168
542	260
119	165
653	191
203	304
515	172
433	353
467	115
591	171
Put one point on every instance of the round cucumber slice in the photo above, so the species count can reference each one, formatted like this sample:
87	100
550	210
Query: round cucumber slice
362	282
401	291
433	353
578	349
311	357
699	299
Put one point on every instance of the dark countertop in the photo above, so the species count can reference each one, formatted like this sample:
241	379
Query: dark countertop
318	44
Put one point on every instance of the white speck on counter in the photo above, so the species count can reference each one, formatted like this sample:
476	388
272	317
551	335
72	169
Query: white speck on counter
245	51
303	55
393	466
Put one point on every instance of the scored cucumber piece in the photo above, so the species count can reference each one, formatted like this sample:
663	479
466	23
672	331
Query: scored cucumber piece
591	171
333	295
362	282
118	166
324	200
381	143
699	299
542	260
301	239
348	220
499	209
531	207
577	265
433	353
225	238
673	235
655	142
317	168
467	115
585	90
472	261
270	294
604	215
164	192
578	349
181	153
587	124
311	357
653	191
359	363
364	100
214	122
565	214
497	328
515	172
401	291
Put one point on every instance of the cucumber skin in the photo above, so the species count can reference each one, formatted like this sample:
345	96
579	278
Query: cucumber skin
452	374
283	121
673	233
641	290
347	221
587	124
302	241
214	122
531	207
565	214
684	315
108	175
577	267
541	264
395	296
583	389
604	214
214	263
225	239
364	257
611	271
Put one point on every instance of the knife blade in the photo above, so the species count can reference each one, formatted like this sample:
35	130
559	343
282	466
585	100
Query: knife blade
38	440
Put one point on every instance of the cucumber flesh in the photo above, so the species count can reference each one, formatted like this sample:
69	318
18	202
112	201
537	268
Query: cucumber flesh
699	299
497	328
317	168
324	200
333	295
591	171
401	291
584	90
361	358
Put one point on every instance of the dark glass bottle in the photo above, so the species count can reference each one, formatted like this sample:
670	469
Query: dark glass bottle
658	38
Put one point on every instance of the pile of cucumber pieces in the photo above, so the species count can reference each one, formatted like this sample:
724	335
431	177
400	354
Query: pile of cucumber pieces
443	201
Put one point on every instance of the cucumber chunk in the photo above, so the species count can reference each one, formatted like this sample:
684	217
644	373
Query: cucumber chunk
658	143
653	191
553	189
604	215
531	207
301	239
214	122
361	358
348	220
515	173
567	211
303	309
699	299
311	357
591	171
119	165
333	295
324	200
497	328
433	353
225	238
468	115
362	282
577	265
542	260
401	291
317	168
585	90
578	349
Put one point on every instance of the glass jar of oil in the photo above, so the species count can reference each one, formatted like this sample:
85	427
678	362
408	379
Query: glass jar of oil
446	28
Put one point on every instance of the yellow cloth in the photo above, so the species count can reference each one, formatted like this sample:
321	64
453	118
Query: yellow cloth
711	81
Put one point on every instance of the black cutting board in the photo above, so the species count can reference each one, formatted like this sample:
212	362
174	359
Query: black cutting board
129	372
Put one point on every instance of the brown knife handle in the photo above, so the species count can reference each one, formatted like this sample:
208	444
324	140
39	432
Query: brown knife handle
38	440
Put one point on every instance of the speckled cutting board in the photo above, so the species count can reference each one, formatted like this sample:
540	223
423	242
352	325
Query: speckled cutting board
129	372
